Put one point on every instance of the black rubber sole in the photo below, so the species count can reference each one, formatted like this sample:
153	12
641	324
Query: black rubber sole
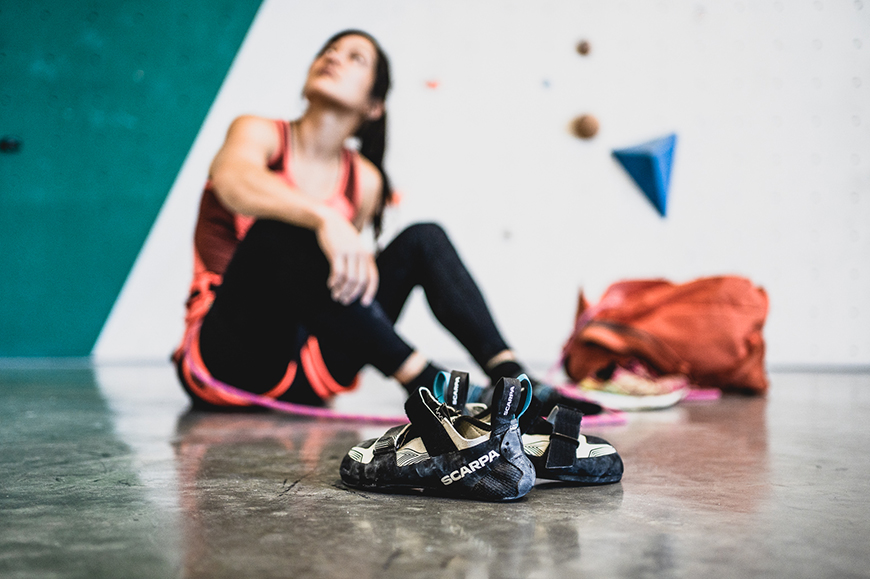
583	481
602	470
508	475
423	491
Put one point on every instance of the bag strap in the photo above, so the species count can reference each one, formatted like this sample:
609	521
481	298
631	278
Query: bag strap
639	342
611	299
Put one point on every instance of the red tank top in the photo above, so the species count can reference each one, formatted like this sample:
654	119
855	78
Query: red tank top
219	231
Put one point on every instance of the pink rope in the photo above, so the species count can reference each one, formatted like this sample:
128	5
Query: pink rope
289	407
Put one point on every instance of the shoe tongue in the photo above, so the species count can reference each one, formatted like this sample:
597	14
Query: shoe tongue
505	401
426	419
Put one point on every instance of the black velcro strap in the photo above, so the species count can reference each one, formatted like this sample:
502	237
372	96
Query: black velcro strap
505	401
456	392
388	441
425	415
565	437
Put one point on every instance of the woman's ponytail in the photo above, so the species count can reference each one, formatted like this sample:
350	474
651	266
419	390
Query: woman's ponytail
373	142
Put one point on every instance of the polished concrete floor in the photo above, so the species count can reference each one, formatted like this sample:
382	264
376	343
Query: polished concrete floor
105	473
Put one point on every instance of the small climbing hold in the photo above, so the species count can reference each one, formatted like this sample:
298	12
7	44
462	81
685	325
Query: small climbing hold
585	126
10	145
649	165
396	199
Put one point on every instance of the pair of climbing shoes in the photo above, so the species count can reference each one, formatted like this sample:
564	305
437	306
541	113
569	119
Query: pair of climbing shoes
469	450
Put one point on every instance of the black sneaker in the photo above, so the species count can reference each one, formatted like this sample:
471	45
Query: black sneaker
444	453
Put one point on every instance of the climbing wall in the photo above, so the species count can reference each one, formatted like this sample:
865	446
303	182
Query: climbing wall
99	105
770	176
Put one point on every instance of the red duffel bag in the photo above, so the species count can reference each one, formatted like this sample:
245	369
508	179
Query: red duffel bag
708	329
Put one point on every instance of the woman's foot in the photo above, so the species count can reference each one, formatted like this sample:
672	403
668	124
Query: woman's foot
545	397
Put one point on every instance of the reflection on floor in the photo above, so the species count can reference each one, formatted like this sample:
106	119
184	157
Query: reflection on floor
105	472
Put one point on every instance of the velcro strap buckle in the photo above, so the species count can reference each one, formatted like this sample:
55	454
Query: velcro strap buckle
386	444
565	437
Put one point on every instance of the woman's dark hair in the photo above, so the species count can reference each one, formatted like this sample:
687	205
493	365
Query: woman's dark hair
372	135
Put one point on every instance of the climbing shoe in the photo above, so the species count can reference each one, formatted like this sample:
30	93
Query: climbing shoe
559	452
554	445
445	453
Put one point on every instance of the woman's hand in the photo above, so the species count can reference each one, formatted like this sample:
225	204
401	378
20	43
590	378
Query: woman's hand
353	273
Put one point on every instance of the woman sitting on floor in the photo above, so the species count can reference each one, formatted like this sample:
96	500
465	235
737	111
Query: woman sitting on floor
287	302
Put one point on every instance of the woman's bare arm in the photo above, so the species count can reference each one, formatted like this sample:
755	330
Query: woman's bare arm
244	184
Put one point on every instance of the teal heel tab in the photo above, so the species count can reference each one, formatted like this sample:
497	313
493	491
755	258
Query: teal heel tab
452	388
442	379
526	384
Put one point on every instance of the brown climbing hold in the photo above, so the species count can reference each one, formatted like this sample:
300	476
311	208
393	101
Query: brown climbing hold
585	126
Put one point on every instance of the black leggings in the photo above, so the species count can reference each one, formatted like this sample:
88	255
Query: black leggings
274	295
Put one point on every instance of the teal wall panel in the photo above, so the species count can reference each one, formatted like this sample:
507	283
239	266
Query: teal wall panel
106	99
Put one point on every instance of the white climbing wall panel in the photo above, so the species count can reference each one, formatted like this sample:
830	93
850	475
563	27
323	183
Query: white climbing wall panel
771	177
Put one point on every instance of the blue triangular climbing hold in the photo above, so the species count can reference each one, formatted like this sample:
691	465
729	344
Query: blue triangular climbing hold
649	164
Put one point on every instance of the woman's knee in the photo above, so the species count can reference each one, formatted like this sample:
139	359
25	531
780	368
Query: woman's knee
428	235
271	251
278	242
275	232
